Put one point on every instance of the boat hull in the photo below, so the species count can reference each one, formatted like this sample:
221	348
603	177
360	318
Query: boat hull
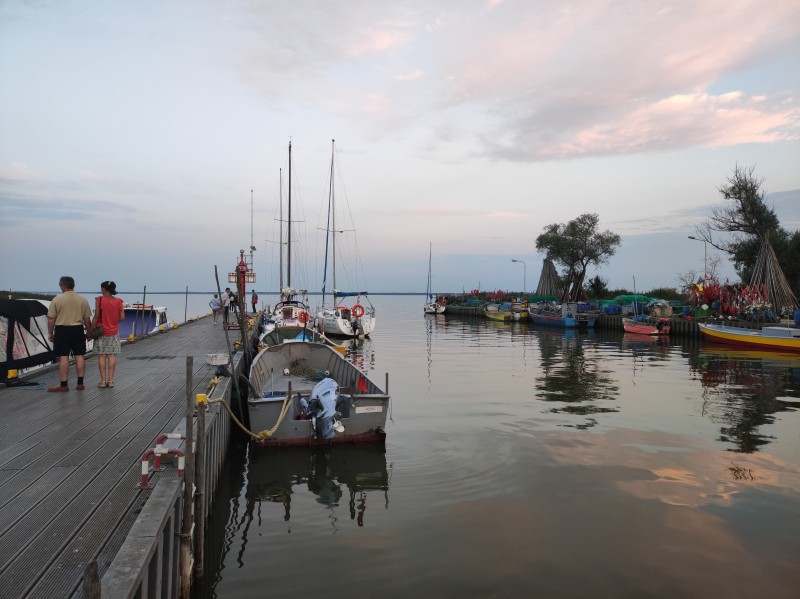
643	328
141	320
342	323
569	322
362	405
773	338
501	316
434	309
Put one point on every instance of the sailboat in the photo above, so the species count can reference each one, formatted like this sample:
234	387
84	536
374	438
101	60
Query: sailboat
432	305
292	308
340	320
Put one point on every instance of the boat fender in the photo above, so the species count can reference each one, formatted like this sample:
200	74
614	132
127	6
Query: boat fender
358	310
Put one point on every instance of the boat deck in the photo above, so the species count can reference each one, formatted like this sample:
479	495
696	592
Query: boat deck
69	462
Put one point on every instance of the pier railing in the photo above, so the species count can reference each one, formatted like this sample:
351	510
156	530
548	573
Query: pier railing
147	565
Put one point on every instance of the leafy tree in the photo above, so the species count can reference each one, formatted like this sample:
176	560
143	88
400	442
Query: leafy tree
596	287
746	219
575	245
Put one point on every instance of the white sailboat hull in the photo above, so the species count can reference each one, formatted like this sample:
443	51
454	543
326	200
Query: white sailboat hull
344	324
434	309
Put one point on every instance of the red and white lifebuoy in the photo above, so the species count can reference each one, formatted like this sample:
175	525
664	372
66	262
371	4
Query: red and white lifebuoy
358	310
303	316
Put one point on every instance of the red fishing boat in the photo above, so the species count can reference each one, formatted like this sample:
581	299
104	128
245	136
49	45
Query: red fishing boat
645	328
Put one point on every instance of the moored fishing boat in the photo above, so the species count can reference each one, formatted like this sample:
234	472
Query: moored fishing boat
519	310
293	334
310	395
500	312
773	338
645	328
563	316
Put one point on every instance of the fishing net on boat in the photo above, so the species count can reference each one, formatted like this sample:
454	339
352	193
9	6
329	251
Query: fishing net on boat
768	275
311	375
659	308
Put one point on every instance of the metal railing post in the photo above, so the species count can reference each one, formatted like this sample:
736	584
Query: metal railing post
188	488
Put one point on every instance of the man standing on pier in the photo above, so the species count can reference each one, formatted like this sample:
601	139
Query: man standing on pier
224	301
67	316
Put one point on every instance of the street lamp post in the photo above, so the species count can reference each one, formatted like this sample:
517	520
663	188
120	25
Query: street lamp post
524	275
705	256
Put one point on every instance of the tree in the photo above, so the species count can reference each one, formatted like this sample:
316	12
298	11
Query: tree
575	245
596	287
746	219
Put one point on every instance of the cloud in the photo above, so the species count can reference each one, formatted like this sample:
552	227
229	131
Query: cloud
18	209
535	81
410	76
16	172
507	214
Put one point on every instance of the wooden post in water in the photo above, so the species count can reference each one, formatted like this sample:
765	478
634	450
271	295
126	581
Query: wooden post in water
91	581
186	304
200	496
188	487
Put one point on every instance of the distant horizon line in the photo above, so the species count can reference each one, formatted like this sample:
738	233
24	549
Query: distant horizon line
265	292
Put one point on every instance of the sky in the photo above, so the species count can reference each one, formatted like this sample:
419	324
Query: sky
147	142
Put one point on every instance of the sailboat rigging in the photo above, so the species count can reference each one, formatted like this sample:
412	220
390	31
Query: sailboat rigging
292	309
432	305
338	319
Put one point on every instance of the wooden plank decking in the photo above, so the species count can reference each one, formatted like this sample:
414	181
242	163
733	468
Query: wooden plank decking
69	462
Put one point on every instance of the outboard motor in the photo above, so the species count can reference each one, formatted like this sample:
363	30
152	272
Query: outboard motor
321	409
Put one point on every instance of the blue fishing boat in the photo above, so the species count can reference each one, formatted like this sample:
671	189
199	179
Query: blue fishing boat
563	316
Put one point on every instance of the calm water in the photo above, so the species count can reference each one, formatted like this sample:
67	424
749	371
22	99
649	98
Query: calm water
522	462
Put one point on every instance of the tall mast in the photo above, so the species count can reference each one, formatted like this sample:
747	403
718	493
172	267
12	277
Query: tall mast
280	236
289	226
430	256
333	223
252	247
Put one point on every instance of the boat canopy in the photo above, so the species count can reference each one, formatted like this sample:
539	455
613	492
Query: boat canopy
23	335
349	293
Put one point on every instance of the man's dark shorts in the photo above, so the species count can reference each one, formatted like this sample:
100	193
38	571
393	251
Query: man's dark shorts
69	340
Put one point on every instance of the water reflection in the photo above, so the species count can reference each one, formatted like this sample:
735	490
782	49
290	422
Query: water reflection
572	377
329	473
359	352
744	389
493	496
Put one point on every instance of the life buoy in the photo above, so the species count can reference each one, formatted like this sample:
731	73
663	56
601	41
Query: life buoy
358	310
303	316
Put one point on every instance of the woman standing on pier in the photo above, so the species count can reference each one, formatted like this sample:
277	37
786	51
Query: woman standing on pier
108	311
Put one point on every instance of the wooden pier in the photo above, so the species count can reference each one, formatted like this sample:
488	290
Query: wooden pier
70	464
